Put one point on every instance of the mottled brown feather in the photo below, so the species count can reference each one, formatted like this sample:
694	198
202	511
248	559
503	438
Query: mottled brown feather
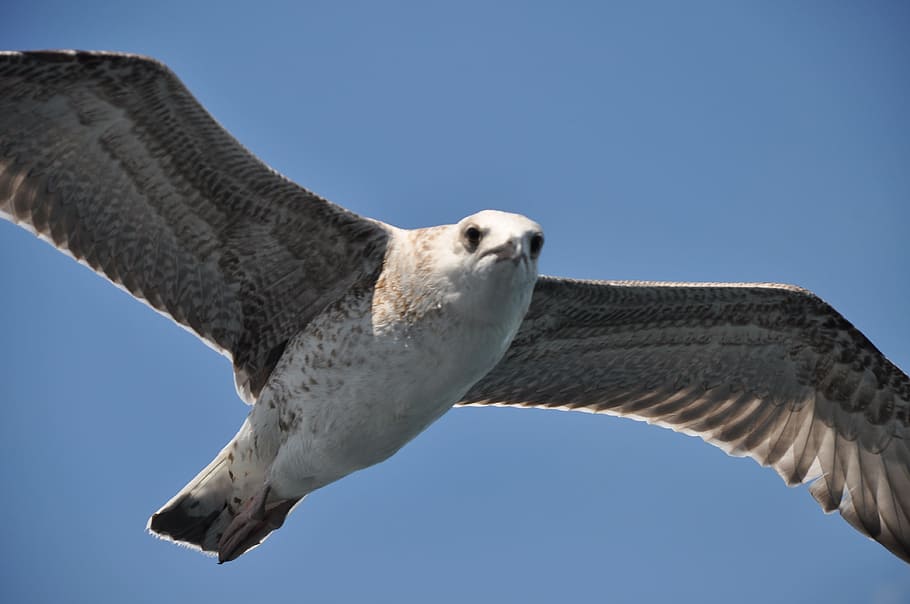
109	157
763	370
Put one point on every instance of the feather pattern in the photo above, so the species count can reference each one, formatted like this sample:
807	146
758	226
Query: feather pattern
761	370
109	157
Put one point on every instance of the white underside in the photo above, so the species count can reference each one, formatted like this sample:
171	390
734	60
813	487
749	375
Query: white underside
350	396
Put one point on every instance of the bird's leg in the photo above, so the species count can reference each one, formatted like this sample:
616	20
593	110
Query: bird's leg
258	517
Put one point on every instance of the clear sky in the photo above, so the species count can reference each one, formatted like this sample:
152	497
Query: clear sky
722	141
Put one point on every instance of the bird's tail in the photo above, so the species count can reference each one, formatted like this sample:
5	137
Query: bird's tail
206	508
199	514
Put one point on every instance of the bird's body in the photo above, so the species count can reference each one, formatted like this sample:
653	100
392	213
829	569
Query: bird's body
352	387
350	336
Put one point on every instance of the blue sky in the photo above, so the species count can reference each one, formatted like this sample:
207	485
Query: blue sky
676	141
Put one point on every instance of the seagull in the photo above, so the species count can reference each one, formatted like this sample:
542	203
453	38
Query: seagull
348	336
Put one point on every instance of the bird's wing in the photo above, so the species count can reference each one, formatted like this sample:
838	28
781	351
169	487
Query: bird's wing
109	157
767	371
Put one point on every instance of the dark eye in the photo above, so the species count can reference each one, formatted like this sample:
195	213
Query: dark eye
472	237
536	244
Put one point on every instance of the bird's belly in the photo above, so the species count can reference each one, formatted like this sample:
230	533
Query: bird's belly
343	408
346	422
366	423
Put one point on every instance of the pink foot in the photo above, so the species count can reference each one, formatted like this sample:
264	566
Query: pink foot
256	519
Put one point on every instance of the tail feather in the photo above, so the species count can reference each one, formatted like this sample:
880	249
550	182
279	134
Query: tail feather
228	508
199	514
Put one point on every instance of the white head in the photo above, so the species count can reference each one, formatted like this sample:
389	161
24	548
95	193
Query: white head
470	283
496	246
484	267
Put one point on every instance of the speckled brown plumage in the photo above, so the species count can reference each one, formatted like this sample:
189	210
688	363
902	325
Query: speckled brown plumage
768	371
109	156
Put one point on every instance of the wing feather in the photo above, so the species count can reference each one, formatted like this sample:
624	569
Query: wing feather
109	157
762	370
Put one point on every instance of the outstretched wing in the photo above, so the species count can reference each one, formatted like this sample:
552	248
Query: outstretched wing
109	157
767	371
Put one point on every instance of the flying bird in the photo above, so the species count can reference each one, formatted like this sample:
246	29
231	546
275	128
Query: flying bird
349	336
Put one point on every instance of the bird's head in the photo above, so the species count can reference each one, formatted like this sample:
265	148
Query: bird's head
496	245
484	267
491	260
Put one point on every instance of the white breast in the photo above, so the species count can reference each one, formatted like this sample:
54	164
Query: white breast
378	367
347	395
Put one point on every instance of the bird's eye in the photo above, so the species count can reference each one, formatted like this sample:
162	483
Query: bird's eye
536	244
472	237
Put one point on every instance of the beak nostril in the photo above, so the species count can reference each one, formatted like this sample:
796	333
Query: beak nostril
509	250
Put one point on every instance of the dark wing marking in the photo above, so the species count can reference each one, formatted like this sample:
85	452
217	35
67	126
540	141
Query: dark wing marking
767	371
109	157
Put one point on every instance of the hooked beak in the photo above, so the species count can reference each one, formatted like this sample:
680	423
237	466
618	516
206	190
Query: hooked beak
507	251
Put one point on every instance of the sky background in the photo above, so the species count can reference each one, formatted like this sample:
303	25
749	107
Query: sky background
722	141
